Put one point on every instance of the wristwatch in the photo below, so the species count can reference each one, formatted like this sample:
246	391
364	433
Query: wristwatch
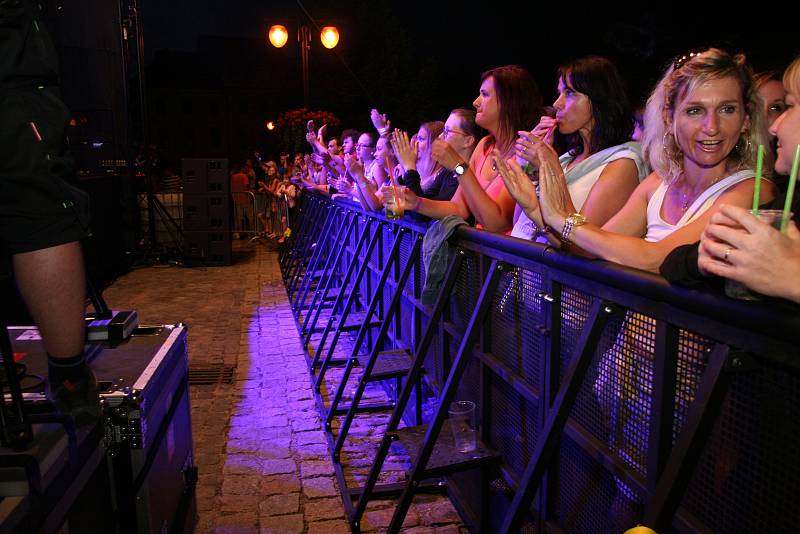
461	168
570	223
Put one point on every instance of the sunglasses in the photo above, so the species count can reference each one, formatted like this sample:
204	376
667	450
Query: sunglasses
680	61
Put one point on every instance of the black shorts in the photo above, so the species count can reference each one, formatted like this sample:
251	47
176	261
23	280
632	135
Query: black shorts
38	207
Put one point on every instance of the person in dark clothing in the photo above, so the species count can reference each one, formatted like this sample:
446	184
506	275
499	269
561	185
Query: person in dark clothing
735	244
43	217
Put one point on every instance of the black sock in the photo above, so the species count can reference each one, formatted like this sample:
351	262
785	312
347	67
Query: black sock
71	368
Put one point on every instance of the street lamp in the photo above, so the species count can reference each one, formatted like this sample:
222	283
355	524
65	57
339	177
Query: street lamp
329	36
278	35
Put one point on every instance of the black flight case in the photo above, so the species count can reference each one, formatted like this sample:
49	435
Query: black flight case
143	478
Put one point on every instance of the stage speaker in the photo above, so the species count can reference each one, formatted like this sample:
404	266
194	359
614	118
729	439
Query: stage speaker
88	37
206	211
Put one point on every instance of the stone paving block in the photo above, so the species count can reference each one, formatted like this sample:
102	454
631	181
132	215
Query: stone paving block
337	526
379	519
319	487
275	449
287	503
241	485
280	484
243	523
419	530
310	469
239	504
277	467
324	509
317	451
241	464
439	512
282	524
309	438
243	446
452	529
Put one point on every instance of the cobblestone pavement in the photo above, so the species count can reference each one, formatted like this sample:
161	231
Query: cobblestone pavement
262	457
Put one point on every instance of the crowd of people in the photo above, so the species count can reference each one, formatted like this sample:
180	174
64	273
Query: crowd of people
666	188
263	194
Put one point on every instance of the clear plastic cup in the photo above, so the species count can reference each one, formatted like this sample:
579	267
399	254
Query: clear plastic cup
392	210
737	290
462	418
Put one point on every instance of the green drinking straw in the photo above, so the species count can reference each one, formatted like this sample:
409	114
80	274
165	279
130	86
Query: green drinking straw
759	168
790	190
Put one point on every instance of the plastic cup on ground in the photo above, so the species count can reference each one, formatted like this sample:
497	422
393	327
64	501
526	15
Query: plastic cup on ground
737	290
462	418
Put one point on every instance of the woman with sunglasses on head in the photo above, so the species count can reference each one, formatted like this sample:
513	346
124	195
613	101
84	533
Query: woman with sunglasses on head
736	244
459	131
509	101
593	121
703	123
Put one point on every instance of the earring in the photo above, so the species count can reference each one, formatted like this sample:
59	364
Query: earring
743	144
671	145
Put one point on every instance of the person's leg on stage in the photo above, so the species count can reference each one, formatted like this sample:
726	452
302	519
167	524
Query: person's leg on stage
52	283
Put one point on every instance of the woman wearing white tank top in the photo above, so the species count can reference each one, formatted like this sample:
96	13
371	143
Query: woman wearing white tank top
703	123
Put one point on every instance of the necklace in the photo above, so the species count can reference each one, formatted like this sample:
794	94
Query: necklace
684	200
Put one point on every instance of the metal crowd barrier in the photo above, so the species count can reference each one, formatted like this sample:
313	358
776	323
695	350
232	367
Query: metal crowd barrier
612	398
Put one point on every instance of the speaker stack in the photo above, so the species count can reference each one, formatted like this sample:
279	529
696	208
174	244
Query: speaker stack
206	211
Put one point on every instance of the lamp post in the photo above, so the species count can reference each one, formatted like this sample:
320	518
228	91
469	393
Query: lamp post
329	36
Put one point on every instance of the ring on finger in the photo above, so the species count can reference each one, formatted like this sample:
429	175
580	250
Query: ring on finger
727	253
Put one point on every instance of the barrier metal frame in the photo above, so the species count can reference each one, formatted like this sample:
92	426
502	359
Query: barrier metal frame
745	337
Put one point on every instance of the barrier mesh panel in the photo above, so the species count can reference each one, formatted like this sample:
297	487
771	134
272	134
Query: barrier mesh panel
465	293
574	311
589	498
514	423
692	360
747	479
515	313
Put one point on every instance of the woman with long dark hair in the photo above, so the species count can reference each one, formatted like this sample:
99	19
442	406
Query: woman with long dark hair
592	129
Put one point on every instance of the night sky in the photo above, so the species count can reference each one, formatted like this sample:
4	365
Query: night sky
458	41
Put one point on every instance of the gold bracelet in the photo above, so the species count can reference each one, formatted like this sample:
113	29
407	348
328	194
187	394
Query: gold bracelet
570	223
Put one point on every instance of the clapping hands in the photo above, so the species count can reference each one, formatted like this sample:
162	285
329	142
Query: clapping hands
405	150
518	184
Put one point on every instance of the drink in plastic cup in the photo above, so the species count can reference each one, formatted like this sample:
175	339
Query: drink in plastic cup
462	418
393	211
737	290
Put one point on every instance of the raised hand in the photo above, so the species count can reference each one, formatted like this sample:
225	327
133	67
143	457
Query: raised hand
405	150
379	120
320	159
310	126
321	133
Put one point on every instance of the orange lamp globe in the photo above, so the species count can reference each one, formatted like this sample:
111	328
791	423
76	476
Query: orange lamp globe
329	37
270	125
278	35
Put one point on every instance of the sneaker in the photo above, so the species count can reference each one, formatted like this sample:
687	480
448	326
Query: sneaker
77	397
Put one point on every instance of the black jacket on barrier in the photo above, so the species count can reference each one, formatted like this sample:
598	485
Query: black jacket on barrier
680	265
